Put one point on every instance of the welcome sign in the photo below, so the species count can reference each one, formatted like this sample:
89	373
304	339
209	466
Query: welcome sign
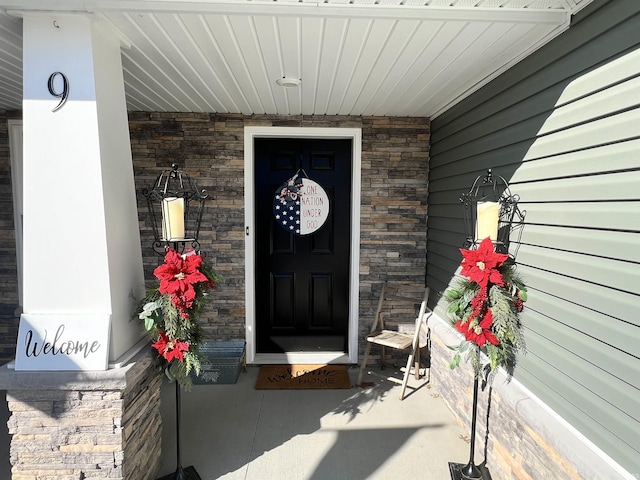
63	342
301	206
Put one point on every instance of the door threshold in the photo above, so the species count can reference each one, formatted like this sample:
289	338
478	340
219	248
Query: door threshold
308	358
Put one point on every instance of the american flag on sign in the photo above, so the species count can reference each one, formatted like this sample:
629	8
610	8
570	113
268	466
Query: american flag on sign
286	205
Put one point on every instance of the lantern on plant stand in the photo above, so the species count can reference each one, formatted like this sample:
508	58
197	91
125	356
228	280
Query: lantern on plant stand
175	206
490	211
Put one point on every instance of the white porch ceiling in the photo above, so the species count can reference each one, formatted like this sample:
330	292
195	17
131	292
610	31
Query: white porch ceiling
353	57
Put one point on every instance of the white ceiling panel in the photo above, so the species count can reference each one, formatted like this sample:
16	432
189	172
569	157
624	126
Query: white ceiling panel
352	57
10	62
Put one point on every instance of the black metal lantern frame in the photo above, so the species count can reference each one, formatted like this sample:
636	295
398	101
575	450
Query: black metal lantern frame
491	192
176	205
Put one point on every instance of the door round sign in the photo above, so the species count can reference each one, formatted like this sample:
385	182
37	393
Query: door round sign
301	206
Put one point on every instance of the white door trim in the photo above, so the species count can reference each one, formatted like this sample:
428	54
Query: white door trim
355	134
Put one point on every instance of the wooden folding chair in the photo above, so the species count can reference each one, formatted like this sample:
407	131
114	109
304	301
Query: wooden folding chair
398	340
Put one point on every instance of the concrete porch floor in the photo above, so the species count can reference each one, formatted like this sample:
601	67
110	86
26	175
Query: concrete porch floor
235	432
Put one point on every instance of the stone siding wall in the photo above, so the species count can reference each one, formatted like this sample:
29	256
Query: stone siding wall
82	430
8	265
395	160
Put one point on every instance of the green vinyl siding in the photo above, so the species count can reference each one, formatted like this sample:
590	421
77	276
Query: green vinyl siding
563	127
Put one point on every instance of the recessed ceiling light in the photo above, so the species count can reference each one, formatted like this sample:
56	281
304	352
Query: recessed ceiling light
289	82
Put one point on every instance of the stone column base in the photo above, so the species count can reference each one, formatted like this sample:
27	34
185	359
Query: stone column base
85	425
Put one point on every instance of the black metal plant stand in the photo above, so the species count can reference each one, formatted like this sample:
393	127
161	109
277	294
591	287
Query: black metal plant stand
176	186
188	473
470	470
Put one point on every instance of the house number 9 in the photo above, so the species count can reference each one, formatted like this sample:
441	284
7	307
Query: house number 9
64	94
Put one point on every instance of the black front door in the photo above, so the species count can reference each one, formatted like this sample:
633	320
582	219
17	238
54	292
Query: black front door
302	281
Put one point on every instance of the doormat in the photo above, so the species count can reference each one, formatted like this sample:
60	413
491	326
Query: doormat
303	377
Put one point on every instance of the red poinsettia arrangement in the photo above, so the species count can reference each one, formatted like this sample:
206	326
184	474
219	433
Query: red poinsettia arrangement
485	305
170	312
178	276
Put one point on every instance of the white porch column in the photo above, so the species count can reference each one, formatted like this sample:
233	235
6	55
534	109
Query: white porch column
82	254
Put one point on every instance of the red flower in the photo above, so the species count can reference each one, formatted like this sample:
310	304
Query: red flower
479	333
177	276
170	349
481	265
